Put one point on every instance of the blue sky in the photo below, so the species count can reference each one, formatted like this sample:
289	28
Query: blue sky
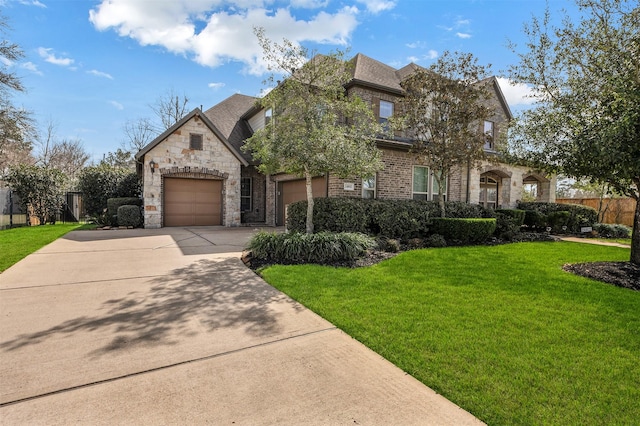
91	66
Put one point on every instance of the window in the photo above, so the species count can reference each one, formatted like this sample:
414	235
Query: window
245	194
488	192
420	183
425	186
435	189
268	115
386	111
369	187
195	141
488	134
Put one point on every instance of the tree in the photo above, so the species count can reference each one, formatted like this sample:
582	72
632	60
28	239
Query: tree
16	125
104	181
119	159
40	188
443	110
315	127
138	133
585	77
170	108
67	155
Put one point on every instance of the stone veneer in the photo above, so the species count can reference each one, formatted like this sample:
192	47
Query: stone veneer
173	158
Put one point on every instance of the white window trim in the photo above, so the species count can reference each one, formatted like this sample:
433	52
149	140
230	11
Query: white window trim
374	189
413	176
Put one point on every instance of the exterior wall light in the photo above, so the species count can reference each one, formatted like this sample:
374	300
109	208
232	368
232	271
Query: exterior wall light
152	166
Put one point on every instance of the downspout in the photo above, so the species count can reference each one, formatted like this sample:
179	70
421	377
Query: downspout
468	195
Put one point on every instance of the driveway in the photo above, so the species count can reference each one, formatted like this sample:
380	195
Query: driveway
169	327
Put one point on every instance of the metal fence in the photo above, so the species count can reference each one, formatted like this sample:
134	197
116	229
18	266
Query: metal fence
11	212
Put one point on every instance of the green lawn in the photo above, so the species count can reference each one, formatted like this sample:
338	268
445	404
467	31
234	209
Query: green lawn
501	331
17	243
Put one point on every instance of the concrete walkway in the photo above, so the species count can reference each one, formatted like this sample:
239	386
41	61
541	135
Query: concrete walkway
594	242
169	327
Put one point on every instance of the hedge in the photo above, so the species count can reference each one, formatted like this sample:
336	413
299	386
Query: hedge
129	215
401	219
508	223
579	216
113	204
464	231
321	248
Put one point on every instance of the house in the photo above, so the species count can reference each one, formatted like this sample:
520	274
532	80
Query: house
196	173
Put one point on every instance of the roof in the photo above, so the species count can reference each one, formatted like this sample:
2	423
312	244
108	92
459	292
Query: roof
374	73
195	113
227	117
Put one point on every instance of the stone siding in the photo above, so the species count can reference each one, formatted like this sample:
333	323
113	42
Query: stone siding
173	158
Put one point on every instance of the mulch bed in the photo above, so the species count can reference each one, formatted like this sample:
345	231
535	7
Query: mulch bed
621	274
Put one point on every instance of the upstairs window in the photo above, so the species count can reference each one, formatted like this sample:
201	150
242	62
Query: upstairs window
268	115
386	111
195	141
488	135
369	187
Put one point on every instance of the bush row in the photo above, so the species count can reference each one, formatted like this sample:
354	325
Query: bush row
607	230
539	216
323	247
403	219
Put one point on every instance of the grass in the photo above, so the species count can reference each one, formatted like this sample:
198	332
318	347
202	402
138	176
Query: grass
501	331
626	241
17	243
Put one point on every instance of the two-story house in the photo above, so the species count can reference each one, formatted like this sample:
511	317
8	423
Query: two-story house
196	173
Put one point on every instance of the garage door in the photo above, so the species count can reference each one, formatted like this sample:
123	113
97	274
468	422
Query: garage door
296	190
192	202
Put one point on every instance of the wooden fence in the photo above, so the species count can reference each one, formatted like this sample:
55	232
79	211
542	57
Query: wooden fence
611	210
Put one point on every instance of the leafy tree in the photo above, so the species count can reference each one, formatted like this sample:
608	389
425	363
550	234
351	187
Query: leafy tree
585	77
104	181
443	110
315	127
16	124
40	188
119	159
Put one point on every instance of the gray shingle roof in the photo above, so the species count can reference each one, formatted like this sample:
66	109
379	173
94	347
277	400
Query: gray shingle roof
227	118
371	72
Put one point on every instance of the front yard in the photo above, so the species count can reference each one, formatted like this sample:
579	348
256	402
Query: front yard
501	331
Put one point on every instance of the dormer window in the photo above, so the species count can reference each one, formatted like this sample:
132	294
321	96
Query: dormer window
489	135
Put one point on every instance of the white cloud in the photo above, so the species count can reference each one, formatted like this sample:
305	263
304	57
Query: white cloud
100	74
463	35
431	54
216	86
212	35
30	66
116	105
516	94
5	61
416	45
309	4
377	6
33	3
48	56
413	59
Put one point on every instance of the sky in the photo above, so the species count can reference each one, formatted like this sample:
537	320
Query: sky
92	65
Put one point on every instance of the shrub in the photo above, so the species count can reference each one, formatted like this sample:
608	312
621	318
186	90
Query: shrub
113	204
508	223
129	215
607	230
464	231
579	216
396	219
435	240
101	182
389	245
321	248
558	219
535	220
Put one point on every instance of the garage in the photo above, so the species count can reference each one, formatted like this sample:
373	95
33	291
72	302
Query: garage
192	202
296	190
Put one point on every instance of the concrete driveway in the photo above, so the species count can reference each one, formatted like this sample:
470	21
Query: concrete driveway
169	327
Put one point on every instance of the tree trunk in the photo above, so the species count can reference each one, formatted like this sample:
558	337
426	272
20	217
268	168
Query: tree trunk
635	236
443	212
309	180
